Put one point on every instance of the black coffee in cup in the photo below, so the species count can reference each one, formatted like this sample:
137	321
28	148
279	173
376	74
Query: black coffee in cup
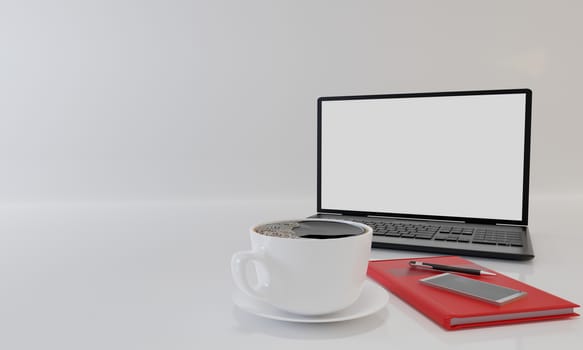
315	229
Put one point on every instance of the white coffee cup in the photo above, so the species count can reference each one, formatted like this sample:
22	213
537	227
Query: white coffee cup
307	276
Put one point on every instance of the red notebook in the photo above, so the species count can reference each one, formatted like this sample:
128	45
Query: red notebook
453	311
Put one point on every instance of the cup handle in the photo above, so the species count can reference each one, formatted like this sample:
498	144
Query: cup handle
239	263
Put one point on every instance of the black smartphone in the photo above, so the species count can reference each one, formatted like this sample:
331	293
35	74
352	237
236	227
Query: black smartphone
484	291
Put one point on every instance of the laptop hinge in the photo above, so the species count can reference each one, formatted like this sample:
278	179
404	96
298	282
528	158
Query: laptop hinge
413	219
514	225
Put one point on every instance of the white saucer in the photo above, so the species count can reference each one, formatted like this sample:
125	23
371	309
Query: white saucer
372	299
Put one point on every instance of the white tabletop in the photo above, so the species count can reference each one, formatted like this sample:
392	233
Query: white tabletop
157	276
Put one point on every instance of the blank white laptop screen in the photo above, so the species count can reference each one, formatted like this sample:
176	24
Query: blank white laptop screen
449	156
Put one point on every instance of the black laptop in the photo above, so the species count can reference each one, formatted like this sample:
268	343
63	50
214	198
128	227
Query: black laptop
441	172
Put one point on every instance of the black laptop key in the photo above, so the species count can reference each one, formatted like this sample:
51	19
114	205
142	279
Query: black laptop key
424	236
484	242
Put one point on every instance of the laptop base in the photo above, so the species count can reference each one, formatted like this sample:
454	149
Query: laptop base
513	242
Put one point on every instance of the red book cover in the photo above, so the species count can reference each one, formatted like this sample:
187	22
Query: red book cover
453	311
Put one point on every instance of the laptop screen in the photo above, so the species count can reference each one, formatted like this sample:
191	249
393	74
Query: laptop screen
448	155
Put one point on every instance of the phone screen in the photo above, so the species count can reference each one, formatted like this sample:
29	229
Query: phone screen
473	288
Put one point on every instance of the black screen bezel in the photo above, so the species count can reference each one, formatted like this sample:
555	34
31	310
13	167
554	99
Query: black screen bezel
526	162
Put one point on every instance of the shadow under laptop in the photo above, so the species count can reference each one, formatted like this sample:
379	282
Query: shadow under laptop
249	323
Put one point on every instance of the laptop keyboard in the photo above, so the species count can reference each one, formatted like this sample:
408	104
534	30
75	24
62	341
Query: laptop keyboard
469	235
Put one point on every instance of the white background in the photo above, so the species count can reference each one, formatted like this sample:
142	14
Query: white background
162	100
172	101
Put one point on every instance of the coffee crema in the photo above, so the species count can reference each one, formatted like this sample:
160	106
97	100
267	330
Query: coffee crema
315	229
